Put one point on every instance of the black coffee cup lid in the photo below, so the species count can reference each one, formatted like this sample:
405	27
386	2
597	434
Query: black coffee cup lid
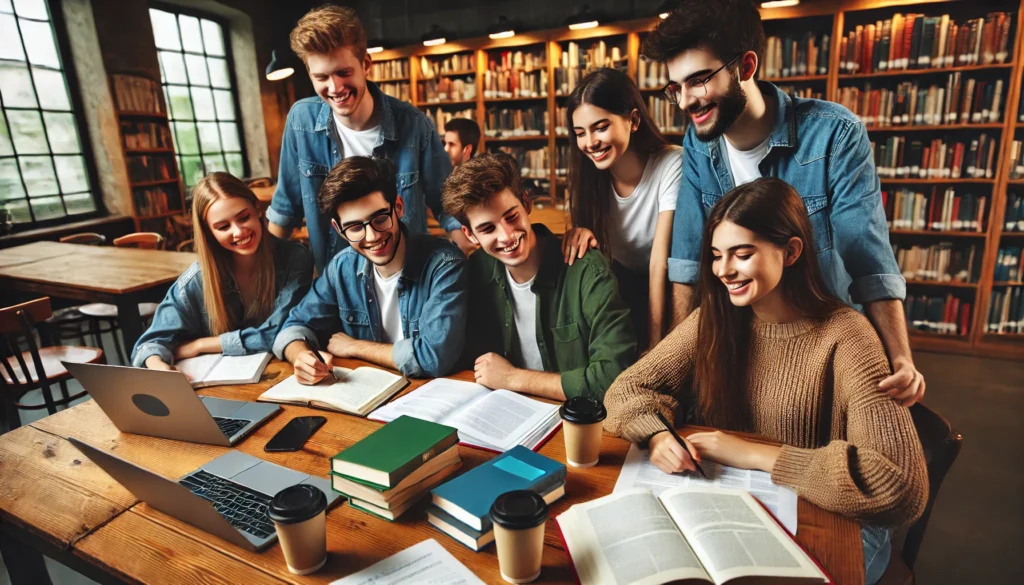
519	510
297	503
583	410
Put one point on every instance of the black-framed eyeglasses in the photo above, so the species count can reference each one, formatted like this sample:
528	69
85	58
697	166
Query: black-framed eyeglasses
357	231
697	86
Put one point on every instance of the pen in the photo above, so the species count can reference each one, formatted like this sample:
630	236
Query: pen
679	440
319	357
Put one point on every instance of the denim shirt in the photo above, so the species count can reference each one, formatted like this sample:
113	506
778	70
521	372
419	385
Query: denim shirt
181	316
823	151
432	302
407	138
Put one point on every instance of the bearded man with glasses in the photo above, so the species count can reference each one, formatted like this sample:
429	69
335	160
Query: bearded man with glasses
393	298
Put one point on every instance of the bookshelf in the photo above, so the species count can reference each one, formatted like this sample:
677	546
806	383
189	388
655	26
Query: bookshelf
834	19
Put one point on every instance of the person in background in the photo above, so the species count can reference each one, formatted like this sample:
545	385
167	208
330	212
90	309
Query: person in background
539	326
624	179
350	116
461	138
235	298
743	129
393	298
771	351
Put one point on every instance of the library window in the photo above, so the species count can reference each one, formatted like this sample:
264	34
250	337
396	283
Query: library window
197	77
43	175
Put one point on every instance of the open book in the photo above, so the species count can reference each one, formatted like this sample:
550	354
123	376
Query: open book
357	391
694	534
214	369
496	420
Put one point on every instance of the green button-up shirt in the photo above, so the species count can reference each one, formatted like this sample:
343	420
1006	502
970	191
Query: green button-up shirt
583	326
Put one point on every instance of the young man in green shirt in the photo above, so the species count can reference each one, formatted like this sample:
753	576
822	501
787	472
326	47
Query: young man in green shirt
536	325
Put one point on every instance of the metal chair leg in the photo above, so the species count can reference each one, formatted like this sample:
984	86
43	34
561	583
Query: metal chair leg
64	391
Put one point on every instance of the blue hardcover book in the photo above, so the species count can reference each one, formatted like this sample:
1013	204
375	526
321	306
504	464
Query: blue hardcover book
469	497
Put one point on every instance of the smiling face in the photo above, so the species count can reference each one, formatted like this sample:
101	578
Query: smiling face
749	266
377	246
712	114
501	226
339	78
602	135
235	224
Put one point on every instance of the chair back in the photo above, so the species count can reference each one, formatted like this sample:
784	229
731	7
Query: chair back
258	182
941	444
85	238
144	240
17	322
187	246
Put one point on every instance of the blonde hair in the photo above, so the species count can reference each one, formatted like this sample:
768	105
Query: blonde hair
327	28
215	261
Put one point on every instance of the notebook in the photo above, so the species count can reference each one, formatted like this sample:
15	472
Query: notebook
496	420
214	369
389	454
356	391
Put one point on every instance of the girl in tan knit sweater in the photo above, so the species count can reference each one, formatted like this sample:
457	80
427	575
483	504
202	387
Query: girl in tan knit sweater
769	351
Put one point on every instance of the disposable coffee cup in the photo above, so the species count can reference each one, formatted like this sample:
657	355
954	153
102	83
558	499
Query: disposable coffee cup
518	519
581	425
299	514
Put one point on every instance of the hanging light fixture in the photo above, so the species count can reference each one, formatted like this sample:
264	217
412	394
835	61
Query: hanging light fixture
279	68
435	37
582	20
502	30
779	3
666	8
374	46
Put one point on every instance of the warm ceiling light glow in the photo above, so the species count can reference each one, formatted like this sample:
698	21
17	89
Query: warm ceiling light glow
435	42
280	74
503	34
583	25
372	50
663	15
779	3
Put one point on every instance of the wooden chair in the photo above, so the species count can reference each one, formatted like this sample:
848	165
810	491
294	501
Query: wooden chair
85	238
144	240
187	246
69	322
38	367
258	182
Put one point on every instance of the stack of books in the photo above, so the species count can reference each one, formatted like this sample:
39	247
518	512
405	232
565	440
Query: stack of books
944	315
942	262
504	122
516	75
958	101
137	94
461	507
668	117
789	57
459	64
947	211
941	158
391	470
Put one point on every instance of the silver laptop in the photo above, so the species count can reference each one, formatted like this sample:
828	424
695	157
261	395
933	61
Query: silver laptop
162	403
228	497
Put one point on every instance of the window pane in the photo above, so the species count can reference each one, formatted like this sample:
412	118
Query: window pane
19	210
172	68
191	169
191	38
186	140
16	86
52	91
181	102
165	30
31	9
27	130
47	208
229	137
39	43
225	104
5	6
62	132
6	148
197	70
71	173
213	38
202	101
219	73
80	203
235	166
10	40
214	163
38	174
10	180
208	137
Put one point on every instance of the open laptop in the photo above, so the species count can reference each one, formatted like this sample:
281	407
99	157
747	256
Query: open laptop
228	497
162	403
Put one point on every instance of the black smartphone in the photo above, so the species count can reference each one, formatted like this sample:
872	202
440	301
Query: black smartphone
295	434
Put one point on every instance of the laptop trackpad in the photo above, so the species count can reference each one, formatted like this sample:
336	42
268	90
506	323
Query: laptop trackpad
221	407
269	478
231	463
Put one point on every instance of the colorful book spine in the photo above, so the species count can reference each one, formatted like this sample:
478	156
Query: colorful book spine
792	57
1008	265
944	315
533	163
516	74
1006	311
505	122
1013	217
441	117
938	209
958	101
1016	162
396	69
942	262
668	117
447	89
575	62
940	158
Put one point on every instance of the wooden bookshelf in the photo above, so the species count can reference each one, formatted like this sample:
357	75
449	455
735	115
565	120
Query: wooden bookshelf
796	79
889	181
921	72
938	234
937	127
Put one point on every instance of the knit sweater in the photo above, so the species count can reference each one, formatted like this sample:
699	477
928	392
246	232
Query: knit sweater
812	386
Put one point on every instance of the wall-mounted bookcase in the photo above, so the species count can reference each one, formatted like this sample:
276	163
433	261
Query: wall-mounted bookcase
953	184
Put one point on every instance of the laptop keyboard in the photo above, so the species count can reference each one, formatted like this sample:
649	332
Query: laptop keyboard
230	426
244	508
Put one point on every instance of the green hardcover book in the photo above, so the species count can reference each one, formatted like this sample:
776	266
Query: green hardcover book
394	451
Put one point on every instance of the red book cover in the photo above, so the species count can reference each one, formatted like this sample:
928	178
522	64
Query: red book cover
965	316
896	41
956	210
842	52
869	48
908	39
958	159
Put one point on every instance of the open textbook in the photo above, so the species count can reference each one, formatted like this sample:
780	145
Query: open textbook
639	472
214	369
693	534
426	563
356	391
491	419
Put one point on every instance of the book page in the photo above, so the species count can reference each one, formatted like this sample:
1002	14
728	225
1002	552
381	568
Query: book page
197	368
290	390
433	401
427	563
237	368
734	536
501	418
627	539
638	471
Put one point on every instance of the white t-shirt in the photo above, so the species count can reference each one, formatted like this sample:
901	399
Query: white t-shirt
632	219
387	296
524	307
744	162
356	142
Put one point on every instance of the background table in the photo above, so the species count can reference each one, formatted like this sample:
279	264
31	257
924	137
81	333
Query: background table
57	501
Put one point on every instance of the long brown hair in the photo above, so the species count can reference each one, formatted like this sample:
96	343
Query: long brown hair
215	261
773	210
590	189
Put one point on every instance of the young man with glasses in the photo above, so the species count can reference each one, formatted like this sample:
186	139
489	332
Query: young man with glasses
743	129
393	298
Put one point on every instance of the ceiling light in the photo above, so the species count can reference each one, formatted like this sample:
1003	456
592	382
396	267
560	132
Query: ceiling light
502	30
666	8
374	46
435	37
779	3
279	68
584	19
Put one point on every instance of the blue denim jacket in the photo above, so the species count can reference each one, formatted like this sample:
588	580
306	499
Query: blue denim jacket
407	138
822	150
181	316
432	301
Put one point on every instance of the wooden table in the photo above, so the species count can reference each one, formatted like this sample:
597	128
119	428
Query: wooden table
94	274
55	500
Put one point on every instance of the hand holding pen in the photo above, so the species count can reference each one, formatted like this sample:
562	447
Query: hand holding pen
673	466
319	357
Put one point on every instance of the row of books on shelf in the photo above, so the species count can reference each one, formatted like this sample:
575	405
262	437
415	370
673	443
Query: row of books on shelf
942	262
1013	219
142	169
390	69
959	101
916	41
562	160
441	117
1020	108
514	83
936	210
792	57
447	89
945	315
504	122
941	158
156	200
802	92
457	63
534	163
1016	161
667	116
141	135
651	74
138	94
1006	311
1009	265
575	63
397	90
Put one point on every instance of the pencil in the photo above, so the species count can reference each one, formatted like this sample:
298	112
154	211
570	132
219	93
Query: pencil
319	357
679	440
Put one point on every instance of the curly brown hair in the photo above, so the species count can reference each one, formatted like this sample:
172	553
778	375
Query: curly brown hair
726	27
354	178
327	28
472	182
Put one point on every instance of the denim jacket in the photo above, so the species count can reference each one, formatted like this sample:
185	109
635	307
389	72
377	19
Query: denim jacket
407	138
823	151
181	316
432	302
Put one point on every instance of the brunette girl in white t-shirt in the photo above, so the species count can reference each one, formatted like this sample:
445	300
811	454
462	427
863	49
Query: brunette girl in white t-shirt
623	182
